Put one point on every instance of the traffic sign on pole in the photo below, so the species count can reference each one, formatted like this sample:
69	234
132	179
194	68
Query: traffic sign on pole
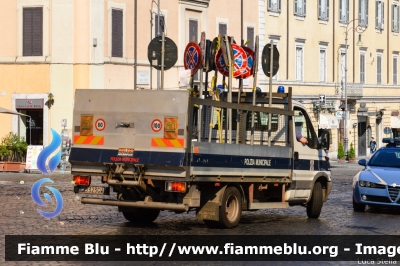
154	53
192	57
248	70
239	60
265	60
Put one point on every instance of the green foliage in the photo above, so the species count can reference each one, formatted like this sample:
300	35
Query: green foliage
13	148
352	153
340	151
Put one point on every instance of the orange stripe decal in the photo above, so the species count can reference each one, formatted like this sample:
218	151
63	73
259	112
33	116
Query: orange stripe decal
89	140
170	143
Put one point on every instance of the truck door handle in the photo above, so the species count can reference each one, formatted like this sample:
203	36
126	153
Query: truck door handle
126	125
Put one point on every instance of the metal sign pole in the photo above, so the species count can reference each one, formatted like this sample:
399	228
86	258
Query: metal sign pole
270	90
230	68
162	59
254	88
200	118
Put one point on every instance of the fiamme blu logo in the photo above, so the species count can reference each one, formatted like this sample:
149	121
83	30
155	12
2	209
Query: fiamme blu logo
47	168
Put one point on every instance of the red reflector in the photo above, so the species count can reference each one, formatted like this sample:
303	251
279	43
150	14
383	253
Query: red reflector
81	180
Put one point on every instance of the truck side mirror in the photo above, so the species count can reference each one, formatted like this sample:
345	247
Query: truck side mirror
324	140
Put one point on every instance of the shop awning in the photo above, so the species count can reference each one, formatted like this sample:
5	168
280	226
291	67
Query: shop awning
328	121
395	122
11	112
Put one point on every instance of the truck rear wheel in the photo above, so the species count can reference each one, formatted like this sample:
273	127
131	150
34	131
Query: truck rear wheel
314	206
230	211
141	216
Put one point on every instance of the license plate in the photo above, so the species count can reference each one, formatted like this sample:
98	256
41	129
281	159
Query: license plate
93	190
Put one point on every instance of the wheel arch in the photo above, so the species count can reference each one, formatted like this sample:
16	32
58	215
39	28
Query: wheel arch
324	179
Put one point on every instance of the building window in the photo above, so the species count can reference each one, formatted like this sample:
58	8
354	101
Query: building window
222	29
395	70
300	8
395	18
342	67
379	15
32	31
344	11
362	68
117	33
299	63
322	65
250	37
323	9
274	5
160	26
363	13
379	69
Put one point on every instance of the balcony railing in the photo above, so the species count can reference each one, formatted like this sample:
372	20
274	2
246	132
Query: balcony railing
327	105
354	91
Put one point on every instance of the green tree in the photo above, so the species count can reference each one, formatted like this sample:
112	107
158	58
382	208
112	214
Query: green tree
352	153
340	151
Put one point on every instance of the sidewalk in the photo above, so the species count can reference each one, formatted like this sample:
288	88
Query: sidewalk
336	164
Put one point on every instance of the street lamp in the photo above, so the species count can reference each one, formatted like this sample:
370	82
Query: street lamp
359	29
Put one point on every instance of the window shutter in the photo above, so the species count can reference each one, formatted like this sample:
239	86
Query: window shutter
250	36
376	14
397	18
383	14
393	25
366	13
37	32
32	31
117	33
347	11
360	3
340	10
394	71
327	9
27	32
279	5
379	73
319	9
362	68
295	7
222	28
270	4
304	7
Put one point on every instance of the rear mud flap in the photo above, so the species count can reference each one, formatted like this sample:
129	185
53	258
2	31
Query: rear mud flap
210	209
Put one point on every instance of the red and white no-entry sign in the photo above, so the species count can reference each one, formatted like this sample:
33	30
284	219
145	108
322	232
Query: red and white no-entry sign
156	125
100	124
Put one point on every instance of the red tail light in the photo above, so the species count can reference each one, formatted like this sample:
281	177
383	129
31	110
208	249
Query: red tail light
175	186
82	180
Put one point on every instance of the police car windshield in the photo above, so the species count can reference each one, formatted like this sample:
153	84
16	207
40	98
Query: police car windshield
386	158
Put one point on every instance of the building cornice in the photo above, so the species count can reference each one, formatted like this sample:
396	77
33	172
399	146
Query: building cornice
202	3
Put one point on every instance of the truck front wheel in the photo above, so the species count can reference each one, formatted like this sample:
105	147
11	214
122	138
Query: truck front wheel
314	206
141	216
230	211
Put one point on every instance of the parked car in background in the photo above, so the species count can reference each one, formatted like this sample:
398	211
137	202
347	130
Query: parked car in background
378	184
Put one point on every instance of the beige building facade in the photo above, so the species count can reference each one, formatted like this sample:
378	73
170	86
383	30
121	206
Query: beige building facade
311	37
53	47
